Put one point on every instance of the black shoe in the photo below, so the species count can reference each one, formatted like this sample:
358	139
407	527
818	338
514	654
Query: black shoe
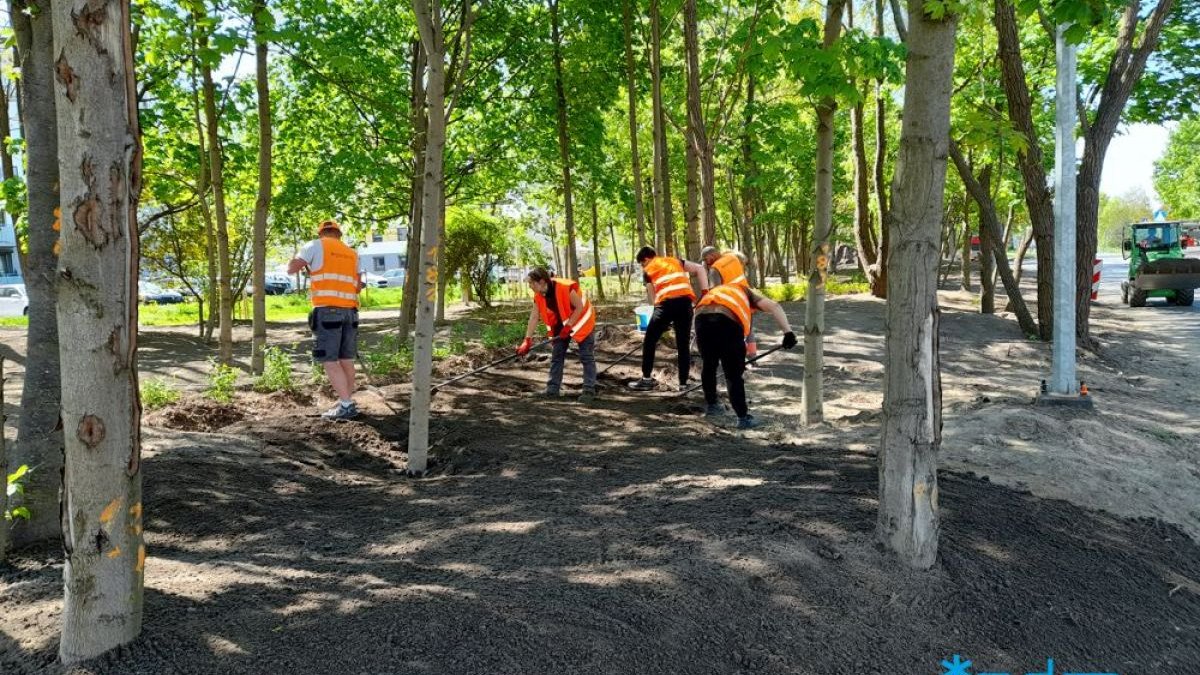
644	384
549	393
714	410
587	396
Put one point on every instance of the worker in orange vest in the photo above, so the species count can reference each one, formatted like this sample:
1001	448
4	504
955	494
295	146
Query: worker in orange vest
335	284
722	323
669	288
569	315
729	268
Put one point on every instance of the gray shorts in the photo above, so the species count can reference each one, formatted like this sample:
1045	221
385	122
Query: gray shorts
335	333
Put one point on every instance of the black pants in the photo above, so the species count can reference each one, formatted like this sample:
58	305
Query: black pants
677	313
721	341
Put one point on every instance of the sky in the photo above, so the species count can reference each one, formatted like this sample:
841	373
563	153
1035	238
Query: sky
1129	163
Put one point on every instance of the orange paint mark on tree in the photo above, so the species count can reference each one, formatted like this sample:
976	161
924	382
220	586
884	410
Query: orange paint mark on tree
110	510
114	553
141	559
57	219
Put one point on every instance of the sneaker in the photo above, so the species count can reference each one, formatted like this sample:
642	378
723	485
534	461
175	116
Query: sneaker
587	396
714	410
644	384
748	422
341	412
549	393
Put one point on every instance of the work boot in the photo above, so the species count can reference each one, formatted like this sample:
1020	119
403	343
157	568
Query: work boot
644	384
587	396
341	411
748	422
714	410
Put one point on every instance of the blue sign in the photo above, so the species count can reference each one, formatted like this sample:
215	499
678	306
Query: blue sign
1160	215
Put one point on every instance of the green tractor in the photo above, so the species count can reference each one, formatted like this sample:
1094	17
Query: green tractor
1157	266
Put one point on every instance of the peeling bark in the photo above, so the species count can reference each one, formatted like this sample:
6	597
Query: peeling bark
97	323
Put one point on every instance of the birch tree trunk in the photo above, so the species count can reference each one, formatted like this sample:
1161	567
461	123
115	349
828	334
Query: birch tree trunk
420	123
912	399
39	436
262	206
429	23
814	306
631	87
100	176
217	173
564	141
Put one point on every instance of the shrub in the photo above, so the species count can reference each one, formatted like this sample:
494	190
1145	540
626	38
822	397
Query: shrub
157	393
220	382
277	371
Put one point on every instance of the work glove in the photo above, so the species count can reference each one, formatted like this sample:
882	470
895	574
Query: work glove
789	340
565	333
525	346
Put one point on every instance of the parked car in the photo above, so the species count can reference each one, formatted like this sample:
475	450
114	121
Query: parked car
374	280
13	300
393	279
275	284
151	293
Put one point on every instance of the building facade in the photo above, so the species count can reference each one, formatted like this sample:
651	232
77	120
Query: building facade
10	262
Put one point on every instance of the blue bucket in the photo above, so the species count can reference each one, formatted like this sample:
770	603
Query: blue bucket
643	313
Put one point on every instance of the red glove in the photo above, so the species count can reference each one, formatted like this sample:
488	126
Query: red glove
565	333
525	346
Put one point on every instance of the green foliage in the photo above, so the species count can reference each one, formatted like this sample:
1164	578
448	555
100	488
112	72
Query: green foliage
277	371
389	357
1116	213
1177	173
158	393
220	382
501	335
15	486
477	244
786	292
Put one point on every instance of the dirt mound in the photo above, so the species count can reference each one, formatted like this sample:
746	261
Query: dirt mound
196	414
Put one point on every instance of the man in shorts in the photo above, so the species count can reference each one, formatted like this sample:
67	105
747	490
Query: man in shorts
334	286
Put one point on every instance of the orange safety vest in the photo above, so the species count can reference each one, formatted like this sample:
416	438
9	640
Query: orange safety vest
562	298
336	283
734	298
670	279
731	270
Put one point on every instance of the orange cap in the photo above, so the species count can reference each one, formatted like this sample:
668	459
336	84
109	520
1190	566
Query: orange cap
329	225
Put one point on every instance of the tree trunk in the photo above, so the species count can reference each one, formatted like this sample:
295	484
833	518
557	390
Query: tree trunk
912	399
989	229
864	234
1124	72
420	123
750	168
1021	251
440	311
217	172
662	165
429	23
879	279
39	436
965	246
1033	172
262	206
631	86
814	305
700	172
564	141
596	249
612	233
100	179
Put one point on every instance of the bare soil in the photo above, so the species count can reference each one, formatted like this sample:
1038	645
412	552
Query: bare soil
634	536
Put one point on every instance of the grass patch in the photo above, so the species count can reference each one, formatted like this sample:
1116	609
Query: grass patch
390	357
833	286
14	321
